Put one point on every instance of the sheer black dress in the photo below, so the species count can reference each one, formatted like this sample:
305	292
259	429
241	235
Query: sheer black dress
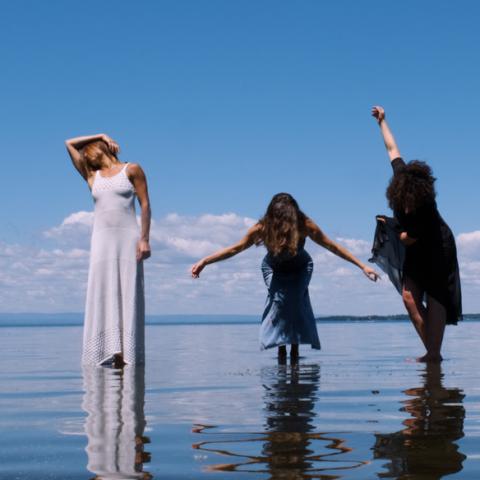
431	262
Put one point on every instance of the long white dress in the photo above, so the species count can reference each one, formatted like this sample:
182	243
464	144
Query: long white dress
115	306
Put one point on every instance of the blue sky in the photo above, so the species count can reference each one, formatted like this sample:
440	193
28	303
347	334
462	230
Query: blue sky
226	103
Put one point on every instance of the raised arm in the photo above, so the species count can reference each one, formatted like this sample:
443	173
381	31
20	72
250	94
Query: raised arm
246	242
74	145
317	235
390	144
139	181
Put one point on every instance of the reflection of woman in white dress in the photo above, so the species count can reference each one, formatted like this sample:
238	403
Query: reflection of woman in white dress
114	402
115	312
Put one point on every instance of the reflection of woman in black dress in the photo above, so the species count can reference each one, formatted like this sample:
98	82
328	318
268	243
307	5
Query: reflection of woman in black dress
427	446
430	271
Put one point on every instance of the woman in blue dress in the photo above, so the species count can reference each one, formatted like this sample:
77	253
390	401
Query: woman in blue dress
287	268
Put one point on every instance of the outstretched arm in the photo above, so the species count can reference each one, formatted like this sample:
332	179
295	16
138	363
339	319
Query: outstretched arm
75	144
139	181
317	235
390	144
246	242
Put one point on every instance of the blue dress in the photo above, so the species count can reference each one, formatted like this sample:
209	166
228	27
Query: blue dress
288	317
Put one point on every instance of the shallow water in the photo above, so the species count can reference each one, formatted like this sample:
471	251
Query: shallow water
210	405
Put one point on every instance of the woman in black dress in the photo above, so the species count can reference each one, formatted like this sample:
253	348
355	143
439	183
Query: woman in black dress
431	281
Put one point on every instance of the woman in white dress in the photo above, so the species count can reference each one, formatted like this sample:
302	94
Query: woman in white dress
115	312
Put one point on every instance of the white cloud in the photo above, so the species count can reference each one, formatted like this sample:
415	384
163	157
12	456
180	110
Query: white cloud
53	278
75	230
469	244
356	246
41	280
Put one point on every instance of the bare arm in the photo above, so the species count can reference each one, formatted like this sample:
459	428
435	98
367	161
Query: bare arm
139	181
317	235
74	145
246	242
388	138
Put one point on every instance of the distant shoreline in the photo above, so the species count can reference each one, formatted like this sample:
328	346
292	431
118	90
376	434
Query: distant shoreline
76	319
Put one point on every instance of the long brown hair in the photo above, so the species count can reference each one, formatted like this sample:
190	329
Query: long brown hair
89	147
283	225
412	187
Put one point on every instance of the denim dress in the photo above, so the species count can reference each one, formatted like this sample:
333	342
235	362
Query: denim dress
288	317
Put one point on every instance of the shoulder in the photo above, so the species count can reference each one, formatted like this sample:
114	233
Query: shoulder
310	225
134	168
398	164
255	229
254	233
134	171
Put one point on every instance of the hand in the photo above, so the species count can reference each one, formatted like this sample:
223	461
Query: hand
370	273
379	113
143	250
112	144
197	268
406	240
381	218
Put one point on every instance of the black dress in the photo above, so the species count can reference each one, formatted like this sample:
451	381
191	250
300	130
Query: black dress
388	252
431	262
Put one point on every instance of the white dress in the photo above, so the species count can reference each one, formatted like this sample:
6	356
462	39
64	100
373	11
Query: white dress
115	307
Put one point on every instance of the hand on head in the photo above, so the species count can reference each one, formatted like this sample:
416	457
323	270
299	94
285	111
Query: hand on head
112	144
379	113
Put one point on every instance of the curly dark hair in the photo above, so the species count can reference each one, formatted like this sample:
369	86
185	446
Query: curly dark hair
283	225
412	187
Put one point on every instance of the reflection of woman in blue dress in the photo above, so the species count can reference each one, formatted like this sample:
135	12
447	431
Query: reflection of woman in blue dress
287	268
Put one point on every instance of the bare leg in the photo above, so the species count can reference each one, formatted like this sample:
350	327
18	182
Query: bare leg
436	320
412	298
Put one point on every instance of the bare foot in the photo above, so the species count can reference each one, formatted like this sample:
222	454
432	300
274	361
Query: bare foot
429	358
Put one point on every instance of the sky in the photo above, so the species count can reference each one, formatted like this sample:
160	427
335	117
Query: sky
225	104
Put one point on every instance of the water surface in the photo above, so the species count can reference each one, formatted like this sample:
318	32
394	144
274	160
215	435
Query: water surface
210	405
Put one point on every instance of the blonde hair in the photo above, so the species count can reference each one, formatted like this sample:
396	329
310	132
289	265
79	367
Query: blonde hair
97	144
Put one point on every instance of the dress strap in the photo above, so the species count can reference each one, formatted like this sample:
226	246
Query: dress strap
124	169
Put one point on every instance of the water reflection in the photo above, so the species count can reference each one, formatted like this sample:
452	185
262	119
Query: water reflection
290	395
289	447
426	449
114	401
